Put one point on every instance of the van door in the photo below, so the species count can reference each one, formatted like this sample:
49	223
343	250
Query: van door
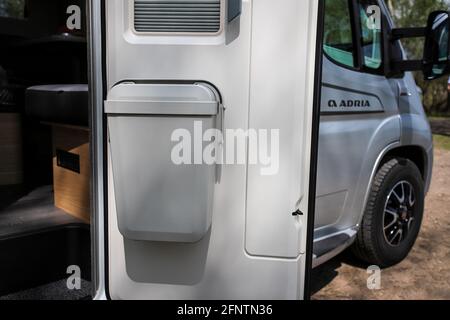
207	147
359	112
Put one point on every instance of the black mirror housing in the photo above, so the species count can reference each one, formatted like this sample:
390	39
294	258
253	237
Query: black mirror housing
436	55
436	60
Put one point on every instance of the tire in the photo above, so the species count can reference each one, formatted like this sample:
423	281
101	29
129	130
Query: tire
379	241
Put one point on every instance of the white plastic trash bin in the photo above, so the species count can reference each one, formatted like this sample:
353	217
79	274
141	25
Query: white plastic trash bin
156	199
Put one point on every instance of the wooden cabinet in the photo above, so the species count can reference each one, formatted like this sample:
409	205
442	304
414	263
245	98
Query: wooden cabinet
71	170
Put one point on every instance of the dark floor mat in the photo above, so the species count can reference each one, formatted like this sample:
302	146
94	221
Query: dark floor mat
33	212
53	291
37	244
10	194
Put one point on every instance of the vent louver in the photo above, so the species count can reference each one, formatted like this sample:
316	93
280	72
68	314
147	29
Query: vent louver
177	16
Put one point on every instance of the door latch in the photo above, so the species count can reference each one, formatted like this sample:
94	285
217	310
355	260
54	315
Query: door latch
297	213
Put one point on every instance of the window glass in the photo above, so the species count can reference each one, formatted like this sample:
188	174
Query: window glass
338	39
12	9
371	34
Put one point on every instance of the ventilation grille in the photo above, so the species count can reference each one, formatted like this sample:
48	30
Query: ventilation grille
177	16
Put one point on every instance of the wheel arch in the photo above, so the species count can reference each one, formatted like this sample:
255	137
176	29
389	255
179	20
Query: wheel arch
416	154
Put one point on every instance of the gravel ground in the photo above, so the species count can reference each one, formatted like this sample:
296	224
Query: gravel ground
425	274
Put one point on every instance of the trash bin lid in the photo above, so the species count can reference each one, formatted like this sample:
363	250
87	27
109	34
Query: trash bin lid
163	99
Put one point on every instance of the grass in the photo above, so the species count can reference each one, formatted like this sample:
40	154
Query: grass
441	142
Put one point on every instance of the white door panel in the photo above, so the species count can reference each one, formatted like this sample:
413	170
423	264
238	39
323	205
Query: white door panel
277	100
262	66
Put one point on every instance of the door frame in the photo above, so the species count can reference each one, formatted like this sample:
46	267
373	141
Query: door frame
314	149
97	88
97	94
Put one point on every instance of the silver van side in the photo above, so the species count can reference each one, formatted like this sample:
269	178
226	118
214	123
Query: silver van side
375	149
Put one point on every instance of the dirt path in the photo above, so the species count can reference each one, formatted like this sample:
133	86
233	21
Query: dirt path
425	274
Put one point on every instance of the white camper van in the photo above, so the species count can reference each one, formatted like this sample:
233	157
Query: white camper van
207	149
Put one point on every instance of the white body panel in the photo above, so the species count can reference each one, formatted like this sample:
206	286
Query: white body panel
255	248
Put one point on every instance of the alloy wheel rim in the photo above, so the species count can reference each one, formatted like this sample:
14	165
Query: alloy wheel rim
398	216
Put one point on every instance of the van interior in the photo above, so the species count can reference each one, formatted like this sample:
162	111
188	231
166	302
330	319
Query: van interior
44	152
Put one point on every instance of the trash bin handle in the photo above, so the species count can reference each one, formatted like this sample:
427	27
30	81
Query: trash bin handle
182	108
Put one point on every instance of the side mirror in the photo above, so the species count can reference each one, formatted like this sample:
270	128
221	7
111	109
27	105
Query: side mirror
436	55
436	60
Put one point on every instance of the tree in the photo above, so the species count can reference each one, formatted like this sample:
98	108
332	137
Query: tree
414	13
12	8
